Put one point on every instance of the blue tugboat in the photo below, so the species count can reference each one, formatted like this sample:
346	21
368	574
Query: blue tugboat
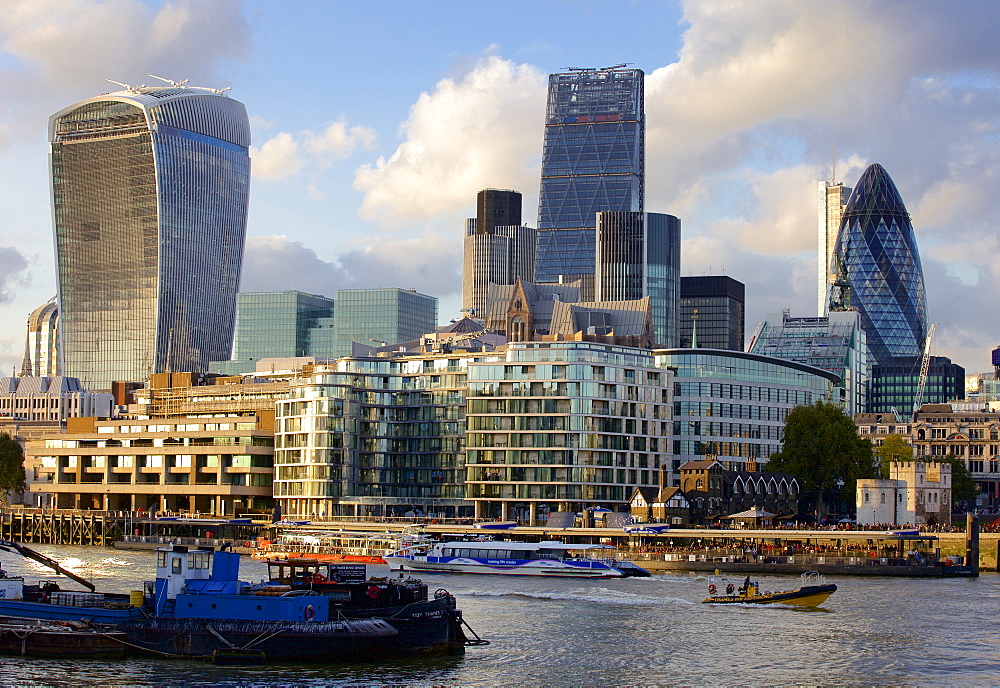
199	608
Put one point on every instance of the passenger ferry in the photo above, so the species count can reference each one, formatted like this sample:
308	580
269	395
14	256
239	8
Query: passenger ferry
548	558
336	546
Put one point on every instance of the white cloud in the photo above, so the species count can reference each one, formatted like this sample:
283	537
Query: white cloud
338	141
278	157
483	130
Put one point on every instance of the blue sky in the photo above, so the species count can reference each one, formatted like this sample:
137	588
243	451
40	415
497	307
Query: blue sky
376	123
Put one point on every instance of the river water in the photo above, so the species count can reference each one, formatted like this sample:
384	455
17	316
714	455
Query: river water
637	631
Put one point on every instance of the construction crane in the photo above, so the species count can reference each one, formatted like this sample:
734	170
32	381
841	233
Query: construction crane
925	363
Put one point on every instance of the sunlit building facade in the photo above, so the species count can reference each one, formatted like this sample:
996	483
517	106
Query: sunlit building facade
593	160
832	199
149	195
41	347
878	269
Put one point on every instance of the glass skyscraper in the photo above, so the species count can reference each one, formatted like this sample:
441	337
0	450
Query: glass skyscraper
639	255
149	193
592	160
878	269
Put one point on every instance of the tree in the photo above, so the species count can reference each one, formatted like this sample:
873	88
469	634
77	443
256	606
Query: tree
823	451
962	484
11	467
894	448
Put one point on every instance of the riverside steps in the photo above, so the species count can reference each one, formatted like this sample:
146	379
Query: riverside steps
779	551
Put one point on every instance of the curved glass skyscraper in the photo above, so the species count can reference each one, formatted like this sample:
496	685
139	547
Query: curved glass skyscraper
878	269
149	194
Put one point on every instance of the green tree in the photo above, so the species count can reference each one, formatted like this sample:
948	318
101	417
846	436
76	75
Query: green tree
962	484
894	448
822	450
11	467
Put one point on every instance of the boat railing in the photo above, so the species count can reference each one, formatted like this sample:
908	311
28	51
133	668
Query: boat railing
736	556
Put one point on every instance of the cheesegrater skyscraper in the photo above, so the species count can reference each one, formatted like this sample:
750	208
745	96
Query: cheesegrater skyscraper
150	187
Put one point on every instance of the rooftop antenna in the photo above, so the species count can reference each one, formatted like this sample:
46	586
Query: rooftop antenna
175	84
127	87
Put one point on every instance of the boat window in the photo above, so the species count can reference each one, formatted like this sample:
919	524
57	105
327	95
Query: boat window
161	559
175	565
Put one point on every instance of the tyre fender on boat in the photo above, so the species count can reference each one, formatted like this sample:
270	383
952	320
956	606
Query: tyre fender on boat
712	589
309	614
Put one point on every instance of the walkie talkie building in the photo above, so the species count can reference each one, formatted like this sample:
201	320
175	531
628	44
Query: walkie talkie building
149	194
878	269
592	161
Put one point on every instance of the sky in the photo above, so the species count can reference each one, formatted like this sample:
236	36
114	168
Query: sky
375	124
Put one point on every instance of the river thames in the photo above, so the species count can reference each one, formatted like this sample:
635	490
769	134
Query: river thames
636	631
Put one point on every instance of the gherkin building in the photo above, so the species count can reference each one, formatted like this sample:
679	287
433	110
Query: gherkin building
878	269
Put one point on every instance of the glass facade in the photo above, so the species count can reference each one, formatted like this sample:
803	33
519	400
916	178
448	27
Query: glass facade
281	324
836	343
878	269
712	313
592	160
731	406
150	190
376	316
563	425
639	255
893	387
374	437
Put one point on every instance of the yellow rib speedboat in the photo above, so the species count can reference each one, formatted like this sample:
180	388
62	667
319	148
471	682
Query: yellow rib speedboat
813	591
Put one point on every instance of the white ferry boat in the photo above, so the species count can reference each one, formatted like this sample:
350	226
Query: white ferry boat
514	559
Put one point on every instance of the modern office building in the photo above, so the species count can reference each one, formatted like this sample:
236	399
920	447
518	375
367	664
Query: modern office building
878	269
149	195
382	316
41	346
33	398
498	248
564	426
639	255
836	343
894	385
712	313
593	160
731	406
219	466
282	324
832	200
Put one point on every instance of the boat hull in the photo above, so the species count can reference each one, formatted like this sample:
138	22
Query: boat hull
45	639
808	596
543	568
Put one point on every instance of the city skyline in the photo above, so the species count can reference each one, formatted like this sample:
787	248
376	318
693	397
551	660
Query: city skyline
370	189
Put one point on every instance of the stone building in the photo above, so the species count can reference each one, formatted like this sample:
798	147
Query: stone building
916	492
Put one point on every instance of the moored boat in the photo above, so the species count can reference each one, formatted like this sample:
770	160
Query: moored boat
335	546
813	591
548	558
199	608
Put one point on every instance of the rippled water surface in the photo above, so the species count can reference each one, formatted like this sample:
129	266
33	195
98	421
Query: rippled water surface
872	631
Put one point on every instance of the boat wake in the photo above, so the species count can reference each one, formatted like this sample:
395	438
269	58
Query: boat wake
597	595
